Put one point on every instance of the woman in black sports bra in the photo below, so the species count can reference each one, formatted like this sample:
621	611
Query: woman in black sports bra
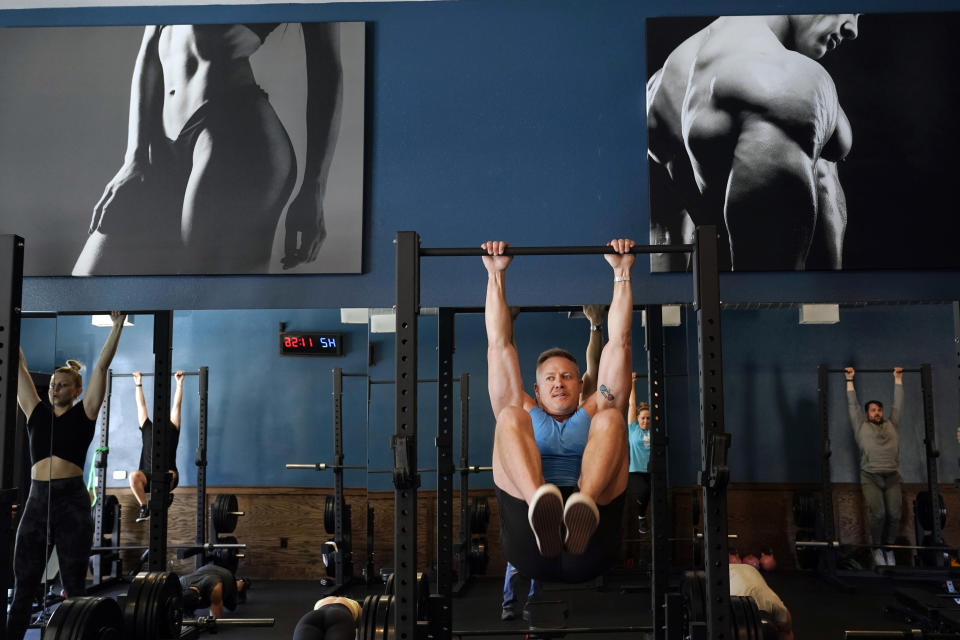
60	434
209	167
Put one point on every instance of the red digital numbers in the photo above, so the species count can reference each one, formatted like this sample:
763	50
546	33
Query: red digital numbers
311	344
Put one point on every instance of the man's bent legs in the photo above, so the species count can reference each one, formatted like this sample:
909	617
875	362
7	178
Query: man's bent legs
517	467
606	462
138	486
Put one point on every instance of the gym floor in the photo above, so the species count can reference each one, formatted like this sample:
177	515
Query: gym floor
819	610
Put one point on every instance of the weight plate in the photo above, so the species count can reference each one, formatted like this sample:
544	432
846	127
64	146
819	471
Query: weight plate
329	515
807	557
153	609
695	596
110	504
804	510
922	509
479	515
738	620
135	608
366	616
223	510
423	595
85	619
381	618
226	557
479	557
423	592
169	605
391	619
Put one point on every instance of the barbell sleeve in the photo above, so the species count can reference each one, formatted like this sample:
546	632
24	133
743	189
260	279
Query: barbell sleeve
209	622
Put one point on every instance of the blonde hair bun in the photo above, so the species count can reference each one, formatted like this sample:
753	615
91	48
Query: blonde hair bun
75	365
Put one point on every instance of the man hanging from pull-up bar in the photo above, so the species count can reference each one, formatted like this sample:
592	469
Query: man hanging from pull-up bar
139	479
556	434
879	443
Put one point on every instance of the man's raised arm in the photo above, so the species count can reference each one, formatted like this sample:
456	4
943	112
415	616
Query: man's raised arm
614	372
897	411
857	417
594	313
504	383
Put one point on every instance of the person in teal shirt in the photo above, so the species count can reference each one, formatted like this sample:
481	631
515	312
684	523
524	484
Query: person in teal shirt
638	432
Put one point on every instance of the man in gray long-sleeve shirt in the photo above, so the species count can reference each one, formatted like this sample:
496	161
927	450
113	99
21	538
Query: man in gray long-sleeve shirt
879	442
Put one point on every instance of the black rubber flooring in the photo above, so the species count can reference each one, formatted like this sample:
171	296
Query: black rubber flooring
819	610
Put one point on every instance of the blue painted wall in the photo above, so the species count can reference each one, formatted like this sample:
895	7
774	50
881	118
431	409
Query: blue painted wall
770	391
264	410
492	118
486	118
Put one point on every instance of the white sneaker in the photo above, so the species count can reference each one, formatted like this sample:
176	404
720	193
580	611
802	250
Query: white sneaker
878	558
891	559
545	515
581	518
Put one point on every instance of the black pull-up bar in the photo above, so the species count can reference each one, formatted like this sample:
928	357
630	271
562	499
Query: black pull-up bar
557	251
150	375
890	370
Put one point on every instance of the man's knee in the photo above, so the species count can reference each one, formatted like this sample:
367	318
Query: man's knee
138	477
609	423
876	517
514	419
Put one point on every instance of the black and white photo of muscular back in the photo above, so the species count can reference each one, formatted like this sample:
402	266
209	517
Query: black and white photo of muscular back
820	141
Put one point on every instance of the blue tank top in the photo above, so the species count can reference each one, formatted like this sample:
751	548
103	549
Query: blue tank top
561	445
639	447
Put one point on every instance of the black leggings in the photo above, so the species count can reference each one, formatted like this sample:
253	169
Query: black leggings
330	622
520	546
71	530
639	485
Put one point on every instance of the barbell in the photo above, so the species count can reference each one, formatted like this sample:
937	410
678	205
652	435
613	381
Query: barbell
800	544
151	610
206	546
912	634
323	466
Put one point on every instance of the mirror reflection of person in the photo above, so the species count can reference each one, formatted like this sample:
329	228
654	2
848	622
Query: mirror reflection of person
332	618
209	166
140	478
60	432
745	132
638	435
878	438
213	587
745	580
